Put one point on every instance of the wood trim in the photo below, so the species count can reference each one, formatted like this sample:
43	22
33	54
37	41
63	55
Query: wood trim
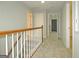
20	30
71	24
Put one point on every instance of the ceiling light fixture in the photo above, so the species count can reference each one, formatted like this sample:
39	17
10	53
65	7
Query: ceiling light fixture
42	1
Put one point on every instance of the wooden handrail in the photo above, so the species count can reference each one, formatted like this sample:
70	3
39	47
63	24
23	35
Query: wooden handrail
20	30
14	31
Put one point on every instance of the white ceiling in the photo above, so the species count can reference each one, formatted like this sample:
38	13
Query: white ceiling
48	5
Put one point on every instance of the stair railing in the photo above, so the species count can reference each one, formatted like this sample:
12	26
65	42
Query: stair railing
18	41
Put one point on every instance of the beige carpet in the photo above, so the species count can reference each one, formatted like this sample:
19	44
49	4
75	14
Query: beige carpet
52	47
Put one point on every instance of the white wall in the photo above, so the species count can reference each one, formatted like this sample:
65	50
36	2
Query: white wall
63	33
65	25
12	16
39	19
47	34
75	47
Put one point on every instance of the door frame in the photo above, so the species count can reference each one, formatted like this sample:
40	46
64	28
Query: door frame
69	25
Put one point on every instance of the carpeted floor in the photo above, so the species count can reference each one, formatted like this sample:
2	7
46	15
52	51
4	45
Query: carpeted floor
52	47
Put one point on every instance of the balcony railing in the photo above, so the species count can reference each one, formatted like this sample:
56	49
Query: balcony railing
20	43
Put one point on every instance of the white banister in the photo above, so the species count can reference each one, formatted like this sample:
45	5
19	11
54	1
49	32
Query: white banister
6	46
24	44
12	45
21	45
17	46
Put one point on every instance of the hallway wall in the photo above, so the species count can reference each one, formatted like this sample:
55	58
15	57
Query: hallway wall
39	19
75	45
64	25
12	15
65	31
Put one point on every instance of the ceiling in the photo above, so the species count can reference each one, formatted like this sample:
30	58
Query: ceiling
48	5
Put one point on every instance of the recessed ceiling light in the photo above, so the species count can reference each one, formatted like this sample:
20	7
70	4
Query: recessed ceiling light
42	1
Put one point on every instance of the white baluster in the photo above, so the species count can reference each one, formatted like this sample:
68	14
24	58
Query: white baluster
27	37
21	44
29	42
17	46
6	45
12	45
24	44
